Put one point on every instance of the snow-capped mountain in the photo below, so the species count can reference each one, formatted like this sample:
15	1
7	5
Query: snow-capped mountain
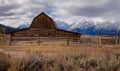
83	26
93	28
62	25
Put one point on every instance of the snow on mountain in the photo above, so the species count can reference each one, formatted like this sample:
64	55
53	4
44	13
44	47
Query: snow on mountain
23	26
82	24
90	27
62	24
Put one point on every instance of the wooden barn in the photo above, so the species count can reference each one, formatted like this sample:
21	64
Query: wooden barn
44	26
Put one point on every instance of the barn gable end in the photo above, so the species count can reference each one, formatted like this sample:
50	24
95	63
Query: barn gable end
43	21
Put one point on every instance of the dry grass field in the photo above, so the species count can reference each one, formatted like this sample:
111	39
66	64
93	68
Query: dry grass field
59	58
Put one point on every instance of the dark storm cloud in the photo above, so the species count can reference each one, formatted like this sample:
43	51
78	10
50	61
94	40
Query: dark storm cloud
95	11
5	9
87	11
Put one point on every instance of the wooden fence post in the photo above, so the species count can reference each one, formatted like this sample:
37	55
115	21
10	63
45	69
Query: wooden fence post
68	41
10	40
100	40
38	39
116	40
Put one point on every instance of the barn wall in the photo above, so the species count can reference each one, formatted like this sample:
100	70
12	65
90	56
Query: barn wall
34	32
21	33
42	32
43	26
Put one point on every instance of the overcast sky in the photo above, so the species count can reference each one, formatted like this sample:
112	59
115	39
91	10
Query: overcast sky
17	12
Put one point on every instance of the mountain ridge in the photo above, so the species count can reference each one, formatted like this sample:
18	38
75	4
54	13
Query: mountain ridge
92	28
6	29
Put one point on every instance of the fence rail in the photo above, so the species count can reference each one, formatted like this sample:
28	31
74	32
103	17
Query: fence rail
98	40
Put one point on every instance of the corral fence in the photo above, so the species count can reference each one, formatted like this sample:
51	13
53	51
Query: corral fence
84	40
100	40
4	39
44	41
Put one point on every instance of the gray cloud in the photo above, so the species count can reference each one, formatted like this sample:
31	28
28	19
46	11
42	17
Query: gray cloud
5	9
87	11
96	11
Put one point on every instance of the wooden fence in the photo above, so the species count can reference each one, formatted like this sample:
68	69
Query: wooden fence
109	40
4	39
44	40
85	39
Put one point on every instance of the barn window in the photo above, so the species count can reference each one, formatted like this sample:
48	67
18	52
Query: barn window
12	34
49	34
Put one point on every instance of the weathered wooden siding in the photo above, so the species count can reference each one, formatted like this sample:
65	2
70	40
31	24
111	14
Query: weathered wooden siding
42	32
62	33
43	21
